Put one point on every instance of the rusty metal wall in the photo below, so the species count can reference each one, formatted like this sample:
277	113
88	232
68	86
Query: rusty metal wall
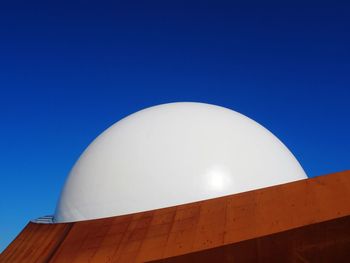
36	243
320	243
200	226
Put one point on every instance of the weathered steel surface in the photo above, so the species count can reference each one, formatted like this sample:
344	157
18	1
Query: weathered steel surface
322	242
36	243
204	225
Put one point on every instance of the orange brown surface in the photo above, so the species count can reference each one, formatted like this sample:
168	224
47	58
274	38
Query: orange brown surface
327	241
36	243
219	223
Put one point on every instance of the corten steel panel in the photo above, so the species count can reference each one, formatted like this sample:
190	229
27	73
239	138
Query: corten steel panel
209	224
328	241
36	243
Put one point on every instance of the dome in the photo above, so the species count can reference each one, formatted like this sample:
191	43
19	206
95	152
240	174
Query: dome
173	154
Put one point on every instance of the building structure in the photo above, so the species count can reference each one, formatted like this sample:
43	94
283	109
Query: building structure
190	182
302	221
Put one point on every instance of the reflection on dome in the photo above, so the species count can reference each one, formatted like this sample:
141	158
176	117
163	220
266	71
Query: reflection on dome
218	179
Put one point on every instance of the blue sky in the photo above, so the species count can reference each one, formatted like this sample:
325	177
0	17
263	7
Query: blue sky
70	70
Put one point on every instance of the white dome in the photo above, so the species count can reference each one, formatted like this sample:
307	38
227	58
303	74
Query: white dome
173	154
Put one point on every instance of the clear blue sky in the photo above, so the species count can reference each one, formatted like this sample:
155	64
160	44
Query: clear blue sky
70	70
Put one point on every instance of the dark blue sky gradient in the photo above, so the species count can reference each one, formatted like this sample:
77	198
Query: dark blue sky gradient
70	70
